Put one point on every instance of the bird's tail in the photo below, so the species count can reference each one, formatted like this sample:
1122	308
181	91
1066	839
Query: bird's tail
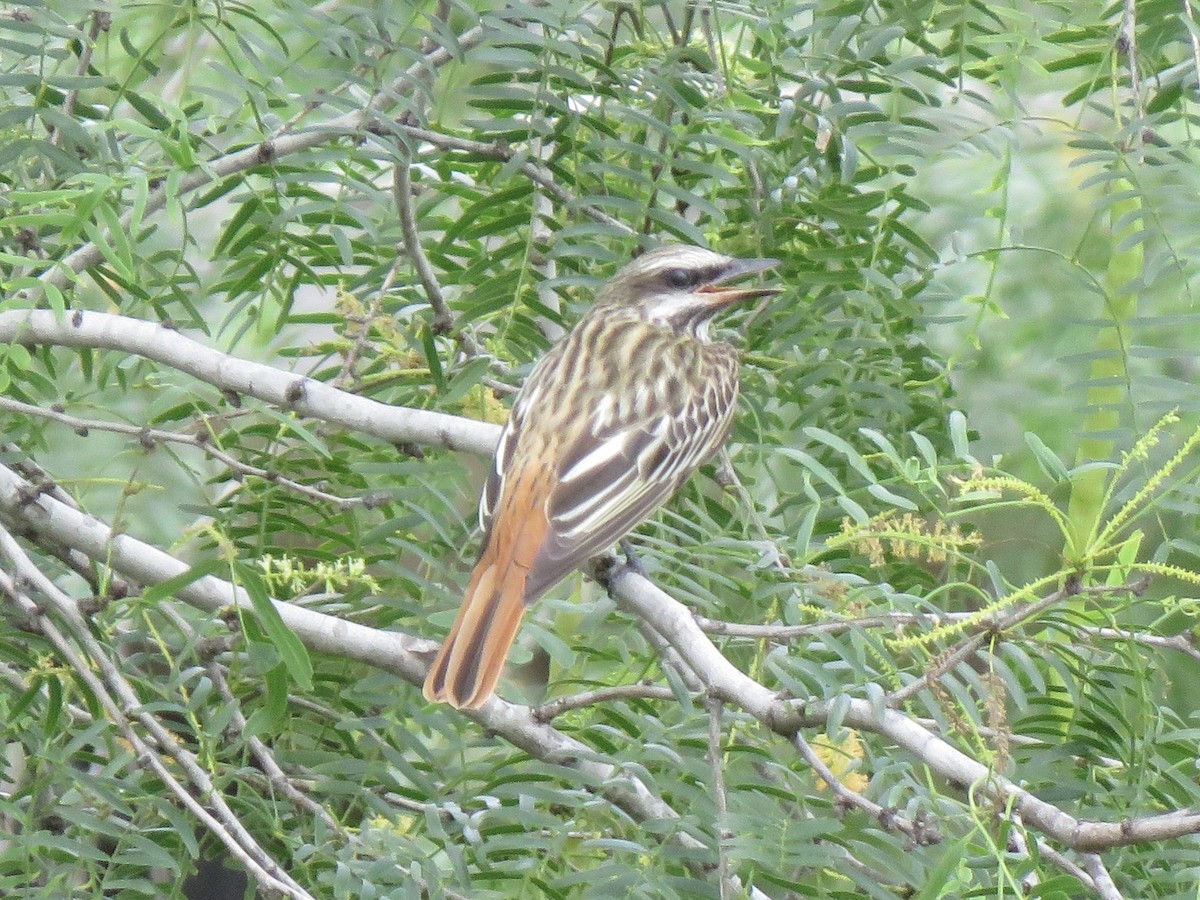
470	662
466	669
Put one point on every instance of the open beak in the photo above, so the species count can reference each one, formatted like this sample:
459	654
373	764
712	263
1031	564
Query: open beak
739	268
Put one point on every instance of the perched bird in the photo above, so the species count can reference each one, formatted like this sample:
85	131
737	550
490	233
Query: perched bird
609	424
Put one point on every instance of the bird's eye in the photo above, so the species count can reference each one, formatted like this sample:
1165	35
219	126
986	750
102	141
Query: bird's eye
678	278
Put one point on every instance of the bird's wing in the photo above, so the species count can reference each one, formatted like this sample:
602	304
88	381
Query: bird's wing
612	478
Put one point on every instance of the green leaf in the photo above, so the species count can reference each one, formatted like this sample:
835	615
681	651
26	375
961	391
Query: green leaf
852	457
879	492
172	586
269	718
812	465
291	650
1047	459
958	436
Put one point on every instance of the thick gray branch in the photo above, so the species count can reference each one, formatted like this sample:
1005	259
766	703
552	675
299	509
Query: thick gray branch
675	622
305	396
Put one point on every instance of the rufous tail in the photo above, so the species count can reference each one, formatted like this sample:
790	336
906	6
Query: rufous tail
470	662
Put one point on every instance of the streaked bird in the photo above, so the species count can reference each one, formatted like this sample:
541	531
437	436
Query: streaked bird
609	424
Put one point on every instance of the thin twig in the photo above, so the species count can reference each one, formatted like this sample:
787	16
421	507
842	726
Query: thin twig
993	628
1129	46
714	51
552	709
669	19
917	832
968	649
440	16
1018	845
1183	643
266	760
77	562
347	376
28	469
1101	881
782	633
608	567
716	762
150	436
727	475
101	21
1045	851
540	235
443	319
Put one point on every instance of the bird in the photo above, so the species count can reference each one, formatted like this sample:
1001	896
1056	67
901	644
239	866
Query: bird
609	424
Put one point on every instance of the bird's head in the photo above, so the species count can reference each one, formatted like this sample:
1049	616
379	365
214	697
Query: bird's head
683	287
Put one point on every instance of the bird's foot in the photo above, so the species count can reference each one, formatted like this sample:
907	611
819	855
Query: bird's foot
632	562
609	568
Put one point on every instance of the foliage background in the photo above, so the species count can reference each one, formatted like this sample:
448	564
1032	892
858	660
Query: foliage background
933	550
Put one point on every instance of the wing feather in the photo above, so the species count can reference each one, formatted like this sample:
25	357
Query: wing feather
618	476
618	447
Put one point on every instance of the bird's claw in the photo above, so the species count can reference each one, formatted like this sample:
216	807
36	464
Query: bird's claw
632	562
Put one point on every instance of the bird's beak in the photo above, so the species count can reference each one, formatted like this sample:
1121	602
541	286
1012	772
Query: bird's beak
739	268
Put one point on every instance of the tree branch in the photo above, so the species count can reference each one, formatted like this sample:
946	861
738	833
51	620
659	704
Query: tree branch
302	395
674	621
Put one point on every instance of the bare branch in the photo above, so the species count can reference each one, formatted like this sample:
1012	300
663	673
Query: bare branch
552	709
714	50
302	395
968	649
443	319
790	632
346	374
101	22
716	763
1062	862
1101	880
1183	643
1129	47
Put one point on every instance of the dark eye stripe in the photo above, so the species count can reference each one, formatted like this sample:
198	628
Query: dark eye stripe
679	278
